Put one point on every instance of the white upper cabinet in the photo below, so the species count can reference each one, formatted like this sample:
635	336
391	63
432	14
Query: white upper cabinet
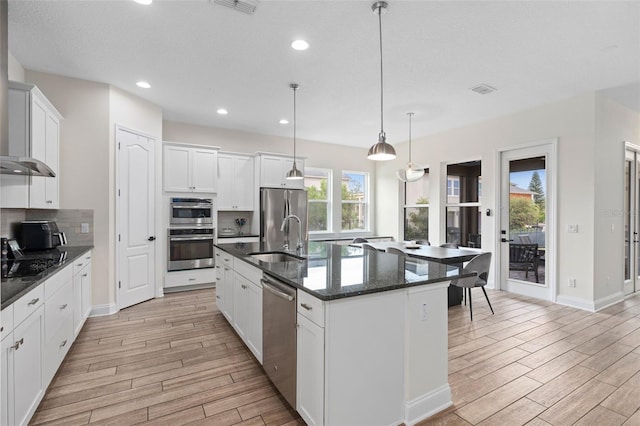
34	131
190	168
274	168
235	182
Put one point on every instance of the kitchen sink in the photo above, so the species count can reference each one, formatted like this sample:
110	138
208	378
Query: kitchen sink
276	256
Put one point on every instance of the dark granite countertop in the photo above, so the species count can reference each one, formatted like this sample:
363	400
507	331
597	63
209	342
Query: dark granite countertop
14	288
333	271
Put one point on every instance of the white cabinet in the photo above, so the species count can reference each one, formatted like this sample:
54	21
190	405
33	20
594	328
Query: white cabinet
224	284
34	131
189	168
23	350
310	371
59	332
273	171
81	291
189	277
6	380
247	306
236	187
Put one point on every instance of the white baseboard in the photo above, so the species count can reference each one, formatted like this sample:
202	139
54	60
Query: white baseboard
427	405
575	302
103	310
607	301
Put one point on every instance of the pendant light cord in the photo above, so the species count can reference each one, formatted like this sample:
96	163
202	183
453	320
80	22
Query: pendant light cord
381	74
410	114
294	123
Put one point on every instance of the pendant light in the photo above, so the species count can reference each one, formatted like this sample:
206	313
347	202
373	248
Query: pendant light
381	151
411	173
294	173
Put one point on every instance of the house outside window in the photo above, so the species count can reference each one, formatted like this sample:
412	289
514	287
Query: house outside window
416	209
355	200
462	209
317	182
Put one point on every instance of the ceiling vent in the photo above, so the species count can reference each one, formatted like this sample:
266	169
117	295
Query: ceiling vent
483	89
244	6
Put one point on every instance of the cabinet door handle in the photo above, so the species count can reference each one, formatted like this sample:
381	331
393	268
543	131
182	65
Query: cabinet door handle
307	307
63	306
79	264
192	279
244	287
1	329
18	343
226	269
84	275
217	254
33	301
88	257
217	297
49	202
64	342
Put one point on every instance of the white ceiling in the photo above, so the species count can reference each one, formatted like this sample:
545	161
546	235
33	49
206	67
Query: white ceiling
199	56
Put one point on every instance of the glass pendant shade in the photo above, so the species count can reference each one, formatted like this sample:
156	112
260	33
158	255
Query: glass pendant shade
294	173
411	173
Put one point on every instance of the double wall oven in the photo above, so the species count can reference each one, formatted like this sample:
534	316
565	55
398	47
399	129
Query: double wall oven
191	234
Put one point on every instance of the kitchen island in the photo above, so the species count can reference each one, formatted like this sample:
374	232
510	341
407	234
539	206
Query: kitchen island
371	330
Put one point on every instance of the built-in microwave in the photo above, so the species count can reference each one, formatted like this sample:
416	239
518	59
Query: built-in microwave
191	211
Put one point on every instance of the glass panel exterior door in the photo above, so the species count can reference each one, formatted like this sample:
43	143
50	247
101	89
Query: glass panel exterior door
631	225
526	198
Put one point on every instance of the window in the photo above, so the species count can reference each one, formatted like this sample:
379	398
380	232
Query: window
317	183
355	199
463	215
416	209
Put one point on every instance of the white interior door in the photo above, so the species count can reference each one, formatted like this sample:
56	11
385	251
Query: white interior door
631	225
135	218
527	205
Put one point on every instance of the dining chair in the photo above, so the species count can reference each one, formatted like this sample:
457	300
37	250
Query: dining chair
395	251
423	242
368	246
480	265
359	240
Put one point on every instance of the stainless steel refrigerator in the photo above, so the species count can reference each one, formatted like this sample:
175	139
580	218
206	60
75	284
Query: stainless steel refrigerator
275	205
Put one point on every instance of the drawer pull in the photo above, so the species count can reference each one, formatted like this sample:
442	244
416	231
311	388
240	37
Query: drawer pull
64	342
79	264
192	279
63	306
307	307
217	254
18	343
88	257
49	202
33	301
217	297
84	275
244	286
226	269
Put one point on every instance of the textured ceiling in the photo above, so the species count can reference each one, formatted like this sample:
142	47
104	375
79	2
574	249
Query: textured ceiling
199	56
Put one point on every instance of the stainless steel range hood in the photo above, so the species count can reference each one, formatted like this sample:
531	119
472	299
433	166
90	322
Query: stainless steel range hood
12	165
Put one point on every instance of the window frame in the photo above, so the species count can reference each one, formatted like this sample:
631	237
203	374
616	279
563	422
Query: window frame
446	204
328	201
406	206
365	201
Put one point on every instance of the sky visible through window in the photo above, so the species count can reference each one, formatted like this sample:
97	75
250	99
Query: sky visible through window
355	180
522	179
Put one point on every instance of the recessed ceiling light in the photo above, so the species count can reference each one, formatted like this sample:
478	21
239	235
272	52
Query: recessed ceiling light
145	2
222	111
143	84
300	45
284	121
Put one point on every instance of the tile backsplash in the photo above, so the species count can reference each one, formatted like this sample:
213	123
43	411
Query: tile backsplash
69	221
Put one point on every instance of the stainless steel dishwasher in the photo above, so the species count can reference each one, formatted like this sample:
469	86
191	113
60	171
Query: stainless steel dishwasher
279	336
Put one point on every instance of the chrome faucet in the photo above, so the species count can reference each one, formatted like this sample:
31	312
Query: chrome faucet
286	241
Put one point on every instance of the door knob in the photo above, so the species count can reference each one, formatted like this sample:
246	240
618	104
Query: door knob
152	238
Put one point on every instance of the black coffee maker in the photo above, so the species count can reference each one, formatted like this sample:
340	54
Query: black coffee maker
40	235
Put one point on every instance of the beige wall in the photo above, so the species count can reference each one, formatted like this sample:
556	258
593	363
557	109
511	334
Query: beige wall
615	124
84	171
324	155
16	71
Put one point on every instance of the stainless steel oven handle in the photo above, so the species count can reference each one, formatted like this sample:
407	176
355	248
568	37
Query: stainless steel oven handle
278	293
189	238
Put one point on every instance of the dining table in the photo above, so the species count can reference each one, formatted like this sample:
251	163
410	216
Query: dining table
445	256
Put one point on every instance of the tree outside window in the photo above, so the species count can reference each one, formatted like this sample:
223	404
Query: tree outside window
317	183
416	209
354	201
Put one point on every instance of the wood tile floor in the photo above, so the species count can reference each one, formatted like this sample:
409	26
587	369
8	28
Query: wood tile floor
175	361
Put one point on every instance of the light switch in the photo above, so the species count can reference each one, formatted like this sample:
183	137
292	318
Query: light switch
573	229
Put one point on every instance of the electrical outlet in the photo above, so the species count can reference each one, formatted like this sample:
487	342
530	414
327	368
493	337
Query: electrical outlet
573	229
84	228
572	282
423	312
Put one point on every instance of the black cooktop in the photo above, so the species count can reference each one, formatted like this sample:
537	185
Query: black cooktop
32	264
